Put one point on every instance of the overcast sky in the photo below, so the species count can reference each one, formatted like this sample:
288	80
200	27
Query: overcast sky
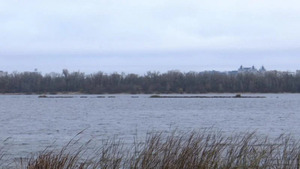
136	36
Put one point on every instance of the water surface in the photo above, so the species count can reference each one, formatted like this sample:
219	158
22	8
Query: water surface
29	124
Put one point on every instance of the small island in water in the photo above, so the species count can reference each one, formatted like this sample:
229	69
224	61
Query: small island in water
205	97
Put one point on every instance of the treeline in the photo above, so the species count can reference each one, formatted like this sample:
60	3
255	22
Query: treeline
151	82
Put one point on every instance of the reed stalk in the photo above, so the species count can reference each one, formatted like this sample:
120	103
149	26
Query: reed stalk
192	150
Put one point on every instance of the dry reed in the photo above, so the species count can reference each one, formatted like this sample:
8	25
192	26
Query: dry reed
193	150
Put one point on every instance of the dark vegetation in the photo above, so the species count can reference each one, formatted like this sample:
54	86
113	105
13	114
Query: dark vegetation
151	82
201	150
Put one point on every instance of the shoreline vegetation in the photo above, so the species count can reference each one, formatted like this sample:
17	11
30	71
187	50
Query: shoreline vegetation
150	83
175	150
137	94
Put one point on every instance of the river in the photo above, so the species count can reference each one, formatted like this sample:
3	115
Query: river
29	124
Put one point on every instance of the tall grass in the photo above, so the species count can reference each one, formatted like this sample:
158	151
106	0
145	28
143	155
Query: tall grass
1	154
4	163
192	150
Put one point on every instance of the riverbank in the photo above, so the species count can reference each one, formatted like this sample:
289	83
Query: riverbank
151	94
205	149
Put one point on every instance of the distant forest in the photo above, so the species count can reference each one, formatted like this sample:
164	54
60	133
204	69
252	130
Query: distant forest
151	82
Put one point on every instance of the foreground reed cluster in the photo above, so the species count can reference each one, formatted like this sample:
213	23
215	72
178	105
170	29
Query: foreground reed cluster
193	150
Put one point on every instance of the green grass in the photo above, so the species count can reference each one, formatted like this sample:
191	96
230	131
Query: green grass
192	150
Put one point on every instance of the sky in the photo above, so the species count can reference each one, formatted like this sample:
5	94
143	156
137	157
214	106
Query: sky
136	36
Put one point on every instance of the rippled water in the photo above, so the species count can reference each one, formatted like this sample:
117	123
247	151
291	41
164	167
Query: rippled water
29	124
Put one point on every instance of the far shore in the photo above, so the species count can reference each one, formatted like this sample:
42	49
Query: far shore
80	93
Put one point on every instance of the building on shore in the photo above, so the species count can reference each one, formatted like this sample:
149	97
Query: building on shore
245	70
251	69
2	73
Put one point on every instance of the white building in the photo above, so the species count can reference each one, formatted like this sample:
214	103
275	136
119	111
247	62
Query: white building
2	73
251	70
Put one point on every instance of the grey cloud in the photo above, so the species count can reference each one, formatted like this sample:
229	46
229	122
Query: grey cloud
55	28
